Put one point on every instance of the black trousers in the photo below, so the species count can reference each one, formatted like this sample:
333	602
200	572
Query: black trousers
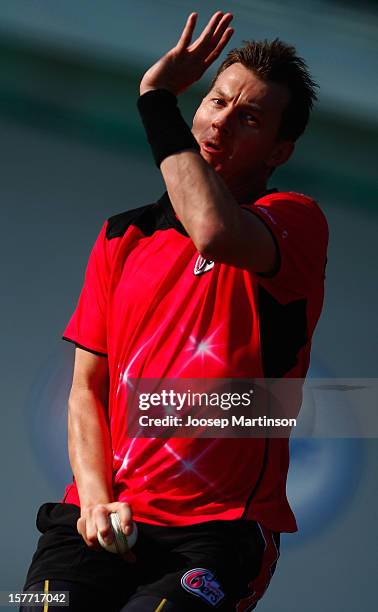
209	565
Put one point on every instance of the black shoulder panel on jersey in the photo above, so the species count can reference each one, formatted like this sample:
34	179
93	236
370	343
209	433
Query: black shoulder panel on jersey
118	224
283	332
149	219
157	216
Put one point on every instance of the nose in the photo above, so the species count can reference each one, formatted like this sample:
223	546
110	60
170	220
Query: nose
222	120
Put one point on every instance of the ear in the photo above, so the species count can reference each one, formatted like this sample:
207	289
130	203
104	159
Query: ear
281	153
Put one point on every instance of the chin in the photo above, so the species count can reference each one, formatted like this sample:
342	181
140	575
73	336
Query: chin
215	164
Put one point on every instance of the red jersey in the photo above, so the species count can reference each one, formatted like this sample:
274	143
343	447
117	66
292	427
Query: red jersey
157	310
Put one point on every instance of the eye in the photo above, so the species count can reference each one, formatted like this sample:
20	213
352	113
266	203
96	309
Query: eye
217	101
249	117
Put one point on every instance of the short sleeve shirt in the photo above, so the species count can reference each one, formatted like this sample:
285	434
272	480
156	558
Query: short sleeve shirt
157	309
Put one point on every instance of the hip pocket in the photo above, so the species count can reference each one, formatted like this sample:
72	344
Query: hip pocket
51	515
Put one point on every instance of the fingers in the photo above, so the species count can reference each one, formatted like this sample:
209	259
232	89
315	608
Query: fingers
210	29
210	36
125	516
219	48
222	27
213	32
96	519
187	32
93	520
100	523
186	62
80	526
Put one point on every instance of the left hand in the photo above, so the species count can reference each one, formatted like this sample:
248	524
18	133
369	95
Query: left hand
186	63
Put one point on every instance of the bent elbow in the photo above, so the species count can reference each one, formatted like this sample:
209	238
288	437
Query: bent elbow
211	244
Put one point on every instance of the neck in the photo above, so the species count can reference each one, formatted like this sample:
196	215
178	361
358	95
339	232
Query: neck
250	194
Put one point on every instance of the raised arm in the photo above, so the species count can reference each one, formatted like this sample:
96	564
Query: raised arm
207	180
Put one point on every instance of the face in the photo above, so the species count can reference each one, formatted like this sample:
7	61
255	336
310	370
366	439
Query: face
237	128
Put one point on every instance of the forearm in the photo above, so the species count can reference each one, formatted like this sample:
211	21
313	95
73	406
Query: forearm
89	447
206	196
202	202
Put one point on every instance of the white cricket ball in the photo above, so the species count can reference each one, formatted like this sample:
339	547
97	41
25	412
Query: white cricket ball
121	543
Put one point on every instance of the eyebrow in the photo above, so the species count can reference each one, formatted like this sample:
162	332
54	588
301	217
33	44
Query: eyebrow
251	105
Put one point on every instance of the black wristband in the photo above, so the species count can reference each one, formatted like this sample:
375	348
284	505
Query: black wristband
165	127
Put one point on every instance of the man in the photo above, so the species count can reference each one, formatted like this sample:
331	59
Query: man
218	279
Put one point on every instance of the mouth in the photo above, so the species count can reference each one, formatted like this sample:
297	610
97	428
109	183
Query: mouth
214	148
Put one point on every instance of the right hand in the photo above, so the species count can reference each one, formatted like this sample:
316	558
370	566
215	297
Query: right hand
95	518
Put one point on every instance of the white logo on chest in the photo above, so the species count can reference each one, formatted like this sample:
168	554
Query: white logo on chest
202	265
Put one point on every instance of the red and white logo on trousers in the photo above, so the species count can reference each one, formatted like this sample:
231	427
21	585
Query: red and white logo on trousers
202	583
